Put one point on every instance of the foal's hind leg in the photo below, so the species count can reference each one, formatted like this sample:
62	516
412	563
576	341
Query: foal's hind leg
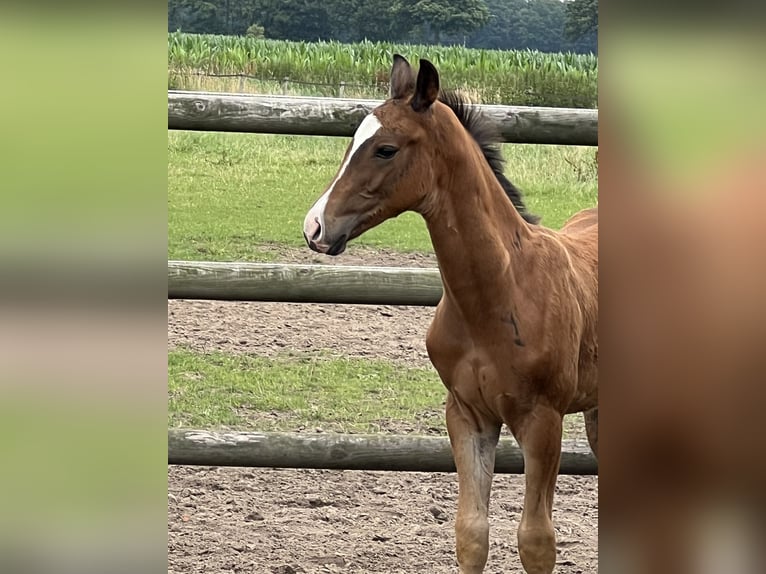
474	450
539	434
591	428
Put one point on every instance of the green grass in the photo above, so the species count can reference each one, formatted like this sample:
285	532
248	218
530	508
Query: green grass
342	395
288	394
230	194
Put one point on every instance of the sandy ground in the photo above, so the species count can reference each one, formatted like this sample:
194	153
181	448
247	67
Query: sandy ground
312	521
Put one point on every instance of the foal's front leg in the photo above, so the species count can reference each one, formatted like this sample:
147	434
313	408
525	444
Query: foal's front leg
473	446
539	434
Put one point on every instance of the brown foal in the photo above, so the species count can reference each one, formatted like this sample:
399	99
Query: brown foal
514	337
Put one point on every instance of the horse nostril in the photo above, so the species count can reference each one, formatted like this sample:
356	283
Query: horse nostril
318	230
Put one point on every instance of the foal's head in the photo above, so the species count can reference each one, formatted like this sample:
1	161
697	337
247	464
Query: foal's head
387	167
391	164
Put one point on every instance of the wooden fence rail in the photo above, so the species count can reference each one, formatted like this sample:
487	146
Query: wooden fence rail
303	283
348	452
338	284
340	117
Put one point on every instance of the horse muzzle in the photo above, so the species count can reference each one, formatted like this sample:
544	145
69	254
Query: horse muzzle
335	248
318	239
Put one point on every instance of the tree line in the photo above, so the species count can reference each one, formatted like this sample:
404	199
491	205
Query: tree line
544	25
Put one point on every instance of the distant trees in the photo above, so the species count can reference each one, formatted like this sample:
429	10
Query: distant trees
533	24
375	20
545	25
213	16
582	19
437	20
193	15
255	31
295	19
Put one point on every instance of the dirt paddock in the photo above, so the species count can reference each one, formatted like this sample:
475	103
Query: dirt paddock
318	521
280	521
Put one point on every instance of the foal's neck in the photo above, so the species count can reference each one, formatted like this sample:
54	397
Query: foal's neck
476	232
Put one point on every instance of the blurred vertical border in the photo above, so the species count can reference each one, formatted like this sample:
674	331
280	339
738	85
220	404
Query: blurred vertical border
682	177
83	287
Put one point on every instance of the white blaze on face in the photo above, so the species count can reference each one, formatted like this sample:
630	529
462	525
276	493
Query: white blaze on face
315	217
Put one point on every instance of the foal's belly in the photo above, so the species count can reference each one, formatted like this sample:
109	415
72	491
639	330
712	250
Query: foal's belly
586	396
583	402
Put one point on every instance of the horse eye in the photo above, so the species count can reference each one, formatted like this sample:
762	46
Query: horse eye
386	152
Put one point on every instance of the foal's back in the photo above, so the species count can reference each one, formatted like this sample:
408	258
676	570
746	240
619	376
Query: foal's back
580	236
582	221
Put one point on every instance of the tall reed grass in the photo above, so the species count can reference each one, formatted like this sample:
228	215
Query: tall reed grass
495	76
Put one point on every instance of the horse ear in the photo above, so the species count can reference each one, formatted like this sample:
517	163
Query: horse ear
427	87
402	78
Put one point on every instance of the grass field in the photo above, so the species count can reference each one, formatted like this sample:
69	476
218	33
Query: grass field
236	391
308	393
231	196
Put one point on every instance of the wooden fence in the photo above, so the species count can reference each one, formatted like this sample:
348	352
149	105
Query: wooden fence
340	117
348	452
337	284
303	283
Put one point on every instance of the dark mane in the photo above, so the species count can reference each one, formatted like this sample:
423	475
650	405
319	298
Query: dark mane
484	134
